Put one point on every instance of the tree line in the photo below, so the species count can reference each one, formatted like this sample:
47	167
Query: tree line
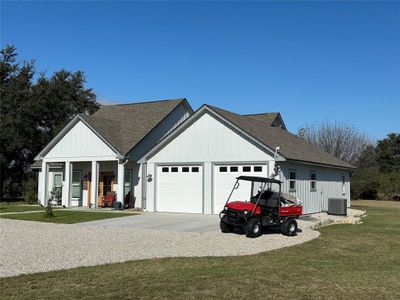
33	109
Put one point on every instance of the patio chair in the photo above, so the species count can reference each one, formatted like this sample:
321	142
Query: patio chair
109	199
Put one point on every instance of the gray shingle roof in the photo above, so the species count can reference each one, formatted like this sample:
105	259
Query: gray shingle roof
265	117
124	125
291	146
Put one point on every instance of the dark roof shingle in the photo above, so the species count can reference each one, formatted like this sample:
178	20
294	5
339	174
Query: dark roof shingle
124	125
291	146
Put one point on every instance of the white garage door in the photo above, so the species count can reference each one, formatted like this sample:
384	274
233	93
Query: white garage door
180	189
225	178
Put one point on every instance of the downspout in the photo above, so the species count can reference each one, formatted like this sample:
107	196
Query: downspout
276	166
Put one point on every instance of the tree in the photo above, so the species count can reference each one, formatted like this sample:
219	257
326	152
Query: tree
388	153
341	140
32	113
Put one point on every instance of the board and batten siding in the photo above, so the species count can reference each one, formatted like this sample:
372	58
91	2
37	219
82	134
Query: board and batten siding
328	185
80	142
173	120
206	142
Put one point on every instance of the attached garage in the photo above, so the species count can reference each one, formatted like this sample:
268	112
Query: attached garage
225	177
179	189
223	146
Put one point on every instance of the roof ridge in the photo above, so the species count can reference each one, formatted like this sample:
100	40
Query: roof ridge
145	102
252	120
259	114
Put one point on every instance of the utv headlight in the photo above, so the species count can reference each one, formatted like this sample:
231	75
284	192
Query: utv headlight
246	212
226	208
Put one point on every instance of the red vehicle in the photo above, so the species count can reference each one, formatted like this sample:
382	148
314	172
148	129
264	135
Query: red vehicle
266	208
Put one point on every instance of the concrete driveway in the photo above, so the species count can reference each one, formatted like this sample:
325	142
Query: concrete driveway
163	221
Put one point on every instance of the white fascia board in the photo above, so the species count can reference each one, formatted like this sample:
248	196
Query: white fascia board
57	138
190	121
302	162
65	130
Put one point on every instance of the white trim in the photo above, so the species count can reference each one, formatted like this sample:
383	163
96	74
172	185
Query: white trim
65	130
202	110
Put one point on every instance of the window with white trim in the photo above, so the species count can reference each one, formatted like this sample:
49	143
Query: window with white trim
313	181
76	184
128	182
58	182
343	184
292	180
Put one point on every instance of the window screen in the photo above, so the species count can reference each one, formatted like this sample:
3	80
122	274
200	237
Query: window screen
292	180
76	184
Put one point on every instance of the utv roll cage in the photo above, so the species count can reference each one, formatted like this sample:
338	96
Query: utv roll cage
264	180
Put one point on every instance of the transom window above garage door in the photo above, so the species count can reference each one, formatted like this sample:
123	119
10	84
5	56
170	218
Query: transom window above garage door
180	169
235	169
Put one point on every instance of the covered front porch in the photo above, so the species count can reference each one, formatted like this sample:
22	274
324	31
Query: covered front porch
83	183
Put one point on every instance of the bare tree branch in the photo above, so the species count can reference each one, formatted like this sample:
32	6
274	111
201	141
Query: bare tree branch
341	140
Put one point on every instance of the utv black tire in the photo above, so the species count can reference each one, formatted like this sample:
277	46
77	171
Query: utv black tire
253	228
289	228
225	228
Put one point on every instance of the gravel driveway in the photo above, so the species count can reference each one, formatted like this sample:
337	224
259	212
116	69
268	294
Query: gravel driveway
29	247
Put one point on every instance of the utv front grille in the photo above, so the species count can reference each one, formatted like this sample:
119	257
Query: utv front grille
232	216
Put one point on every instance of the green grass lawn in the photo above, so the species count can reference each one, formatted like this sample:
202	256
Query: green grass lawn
66	216
6	207
346	262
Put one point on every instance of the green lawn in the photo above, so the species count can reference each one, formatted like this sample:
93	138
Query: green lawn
6	207
346	262
67	216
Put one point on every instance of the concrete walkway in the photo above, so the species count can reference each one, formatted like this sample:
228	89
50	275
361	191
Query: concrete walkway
207	223
162	221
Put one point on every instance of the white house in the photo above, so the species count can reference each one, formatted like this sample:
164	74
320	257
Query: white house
177	160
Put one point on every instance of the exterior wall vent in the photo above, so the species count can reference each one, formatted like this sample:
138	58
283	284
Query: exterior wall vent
337	206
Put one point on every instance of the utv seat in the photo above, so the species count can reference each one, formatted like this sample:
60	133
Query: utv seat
269	203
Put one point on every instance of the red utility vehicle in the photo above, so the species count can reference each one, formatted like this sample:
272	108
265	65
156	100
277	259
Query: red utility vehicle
266	208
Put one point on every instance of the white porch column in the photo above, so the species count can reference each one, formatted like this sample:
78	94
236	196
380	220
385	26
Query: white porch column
67	184
45	178
94	184
121	181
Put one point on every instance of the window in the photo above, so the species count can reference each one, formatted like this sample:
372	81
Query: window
343	185
223	169
165	169
76	184
127	183
246	169
313	181
234	169
174	169
185	169
58	182
292	181
258	169
195	169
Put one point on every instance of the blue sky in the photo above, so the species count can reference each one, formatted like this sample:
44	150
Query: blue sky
312	61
